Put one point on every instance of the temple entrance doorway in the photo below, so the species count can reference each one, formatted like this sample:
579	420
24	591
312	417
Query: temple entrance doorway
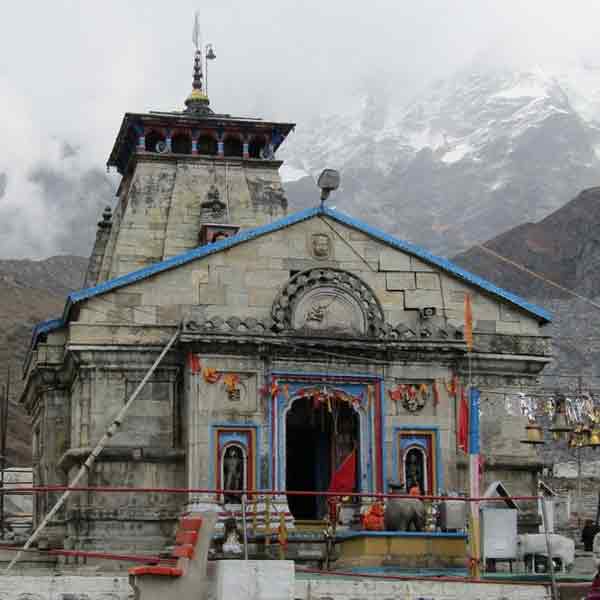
320	436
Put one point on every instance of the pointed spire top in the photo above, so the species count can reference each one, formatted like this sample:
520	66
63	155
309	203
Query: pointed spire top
197	102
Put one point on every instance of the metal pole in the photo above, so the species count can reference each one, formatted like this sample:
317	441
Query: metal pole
3	444
87	465
205	71
555	595
579	492
245	532
474	461
3	431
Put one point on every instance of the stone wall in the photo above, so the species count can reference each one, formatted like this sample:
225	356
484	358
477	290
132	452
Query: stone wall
71	587
160	208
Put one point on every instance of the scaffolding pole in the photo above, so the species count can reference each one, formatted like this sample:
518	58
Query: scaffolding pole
118	420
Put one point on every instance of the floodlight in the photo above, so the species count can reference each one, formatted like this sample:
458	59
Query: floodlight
329	180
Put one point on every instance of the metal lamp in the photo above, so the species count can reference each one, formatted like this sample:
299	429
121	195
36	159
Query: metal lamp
329	181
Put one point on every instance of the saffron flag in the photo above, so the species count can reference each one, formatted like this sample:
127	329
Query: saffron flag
463	422
468	322
344	479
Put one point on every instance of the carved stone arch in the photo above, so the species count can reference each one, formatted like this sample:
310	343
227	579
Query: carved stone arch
328	301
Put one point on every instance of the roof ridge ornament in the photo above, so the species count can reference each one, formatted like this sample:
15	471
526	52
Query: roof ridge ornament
197	102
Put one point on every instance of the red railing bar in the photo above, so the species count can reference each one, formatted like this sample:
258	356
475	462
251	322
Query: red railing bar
171	490
139	558
110	556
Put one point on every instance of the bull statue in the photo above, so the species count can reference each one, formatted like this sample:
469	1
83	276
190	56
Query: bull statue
401	513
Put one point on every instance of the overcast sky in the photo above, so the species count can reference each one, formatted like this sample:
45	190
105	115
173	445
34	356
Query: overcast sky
70	69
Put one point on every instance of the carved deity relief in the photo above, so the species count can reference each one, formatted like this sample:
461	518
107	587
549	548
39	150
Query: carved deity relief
213	208
327	301
320	246
328	309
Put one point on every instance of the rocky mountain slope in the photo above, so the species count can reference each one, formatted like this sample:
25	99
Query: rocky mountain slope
30	291
563	248
471	157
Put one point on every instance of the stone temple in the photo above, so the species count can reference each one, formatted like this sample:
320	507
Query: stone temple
306	338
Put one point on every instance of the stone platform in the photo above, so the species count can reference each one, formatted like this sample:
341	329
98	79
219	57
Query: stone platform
406	549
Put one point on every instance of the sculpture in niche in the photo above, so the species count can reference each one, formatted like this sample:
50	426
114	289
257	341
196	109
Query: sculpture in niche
233	472
321	246
213	208
414	470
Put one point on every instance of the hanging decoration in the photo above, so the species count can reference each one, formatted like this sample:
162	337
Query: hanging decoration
194	363
436	393
274	388
231	382
452	386
462	431
210	375
412	397
327	397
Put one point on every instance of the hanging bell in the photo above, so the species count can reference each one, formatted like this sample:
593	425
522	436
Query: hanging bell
560	426
576	439
586	435
535	435
594	440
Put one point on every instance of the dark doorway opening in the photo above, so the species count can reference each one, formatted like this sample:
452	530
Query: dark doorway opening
319	437
181	144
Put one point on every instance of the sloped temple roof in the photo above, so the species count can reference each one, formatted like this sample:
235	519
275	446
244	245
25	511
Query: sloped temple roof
249	234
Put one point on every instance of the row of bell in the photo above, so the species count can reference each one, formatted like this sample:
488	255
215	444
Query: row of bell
579	437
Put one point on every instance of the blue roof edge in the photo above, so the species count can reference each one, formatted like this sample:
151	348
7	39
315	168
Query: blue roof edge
443	263
250	234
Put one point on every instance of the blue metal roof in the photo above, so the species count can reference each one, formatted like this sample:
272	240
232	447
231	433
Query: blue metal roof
250	234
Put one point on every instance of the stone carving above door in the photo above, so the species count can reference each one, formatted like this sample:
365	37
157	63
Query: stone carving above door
320	246
328	302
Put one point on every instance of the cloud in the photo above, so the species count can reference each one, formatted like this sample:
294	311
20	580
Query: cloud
76	67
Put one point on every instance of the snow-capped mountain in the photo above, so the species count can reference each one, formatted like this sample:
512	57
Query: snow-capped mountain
473	156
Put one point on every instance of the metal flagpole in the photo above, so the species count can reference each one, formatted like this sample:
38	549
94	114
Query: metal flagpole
117	422
3	435
474	399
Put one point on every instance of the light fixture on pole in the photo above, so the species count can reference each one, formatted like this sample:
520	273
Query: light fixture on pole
329	181
209	54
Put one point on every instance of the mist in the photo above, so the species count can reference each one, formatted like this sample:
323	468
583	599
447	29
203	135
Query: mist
71	69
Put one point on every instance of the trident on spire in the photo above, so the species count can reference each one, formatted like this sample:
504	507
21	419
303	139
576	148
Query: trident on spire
197	101
196	31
